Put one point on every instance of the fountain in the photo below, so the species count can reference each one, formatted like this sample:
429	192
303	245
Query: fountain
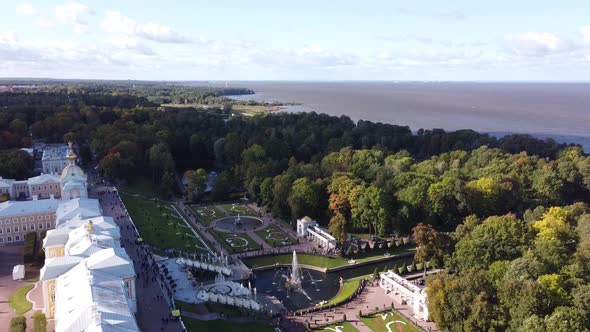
237	221
295	278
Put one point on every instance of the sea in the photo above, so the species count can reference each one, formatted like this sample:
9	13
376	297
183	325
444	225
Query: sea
545	110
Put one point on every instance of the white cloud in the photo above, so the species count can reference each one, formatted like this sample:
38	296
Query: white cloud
45	22
130	44
537	44
585	31
26	8
74	13
116	23
8	38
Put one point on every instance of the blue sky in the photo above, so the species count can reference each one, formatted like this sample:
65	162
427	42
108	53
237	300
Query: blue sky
297	40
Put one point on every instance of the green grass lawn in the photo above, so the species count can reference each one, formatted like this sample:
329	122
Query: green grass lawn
322	261
193	325
235	209
275	236
346	327
347	289
18	300
394	319
160	225
235	243
206	214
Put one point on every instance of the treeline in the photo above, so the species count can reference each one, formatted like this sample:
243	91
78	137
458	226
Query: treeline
360	176
516	274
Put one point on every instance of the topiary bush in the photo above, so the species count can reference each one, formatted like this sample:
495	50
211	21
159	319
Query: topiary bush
39	322
18	324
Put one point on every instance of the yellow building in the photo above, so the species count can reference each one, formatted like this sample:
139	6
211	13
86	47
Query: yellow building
18	218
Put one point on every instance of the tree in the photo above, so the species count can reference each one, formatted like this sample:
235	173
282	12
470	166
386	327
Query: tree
304	199
337	227
221	186
197	183
430	244
497	238
464	302
15	164
566	319
371	210
168	183
266	191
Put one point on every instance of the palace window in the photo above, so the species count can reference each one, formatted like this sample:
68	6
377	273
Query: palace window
40	225
24	228
32	227
16	229
8	239
16	238
48	225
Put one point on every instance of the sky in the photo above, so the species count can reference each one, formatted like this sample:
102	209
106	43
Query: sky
453	40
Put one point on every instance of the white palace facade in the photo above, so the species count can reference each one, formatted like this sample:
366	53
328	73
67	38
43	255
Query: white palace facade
88	279
403	288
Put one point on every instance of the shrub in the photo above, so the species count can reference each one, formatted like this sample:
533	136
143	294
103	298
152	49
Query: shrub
30	246
403	269
395	268
39	322
18	324
412	267
419	266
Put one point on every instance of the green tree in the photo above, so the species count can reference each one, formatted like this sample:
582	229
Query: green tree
304	199
337	227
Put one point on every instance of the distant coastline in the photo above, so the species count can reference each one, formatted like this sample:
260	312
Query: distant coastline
560	111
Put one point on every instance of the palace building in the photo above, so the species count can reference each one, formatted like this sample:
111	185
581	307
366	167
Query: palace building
88	279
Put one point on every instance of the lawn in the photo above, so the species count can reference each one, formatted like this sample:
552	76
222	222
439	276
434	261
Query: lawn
160	225
346	327
348	288
206	214
393	319
193	325
235	243
241	209
321	261
18	300
275	236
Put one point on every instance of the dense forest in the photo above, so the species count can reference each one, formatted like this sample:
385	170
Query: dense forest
510	209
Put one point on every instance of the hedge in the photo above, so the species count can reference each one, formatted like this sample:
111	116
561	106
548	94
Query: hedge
30	247
39	322
18	324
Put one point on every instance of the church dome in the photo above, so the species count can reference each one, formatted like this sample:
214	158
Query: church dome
73	180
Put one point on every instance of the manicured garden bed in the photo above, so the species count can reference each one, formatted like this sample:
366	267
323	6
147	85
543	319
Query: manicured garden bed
346	327
393	319
206	214
235	242
275	237
241	209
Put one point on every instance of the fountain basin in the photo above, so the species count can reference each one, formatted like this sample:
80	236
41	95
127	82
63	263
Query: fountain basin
232	225
315	286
